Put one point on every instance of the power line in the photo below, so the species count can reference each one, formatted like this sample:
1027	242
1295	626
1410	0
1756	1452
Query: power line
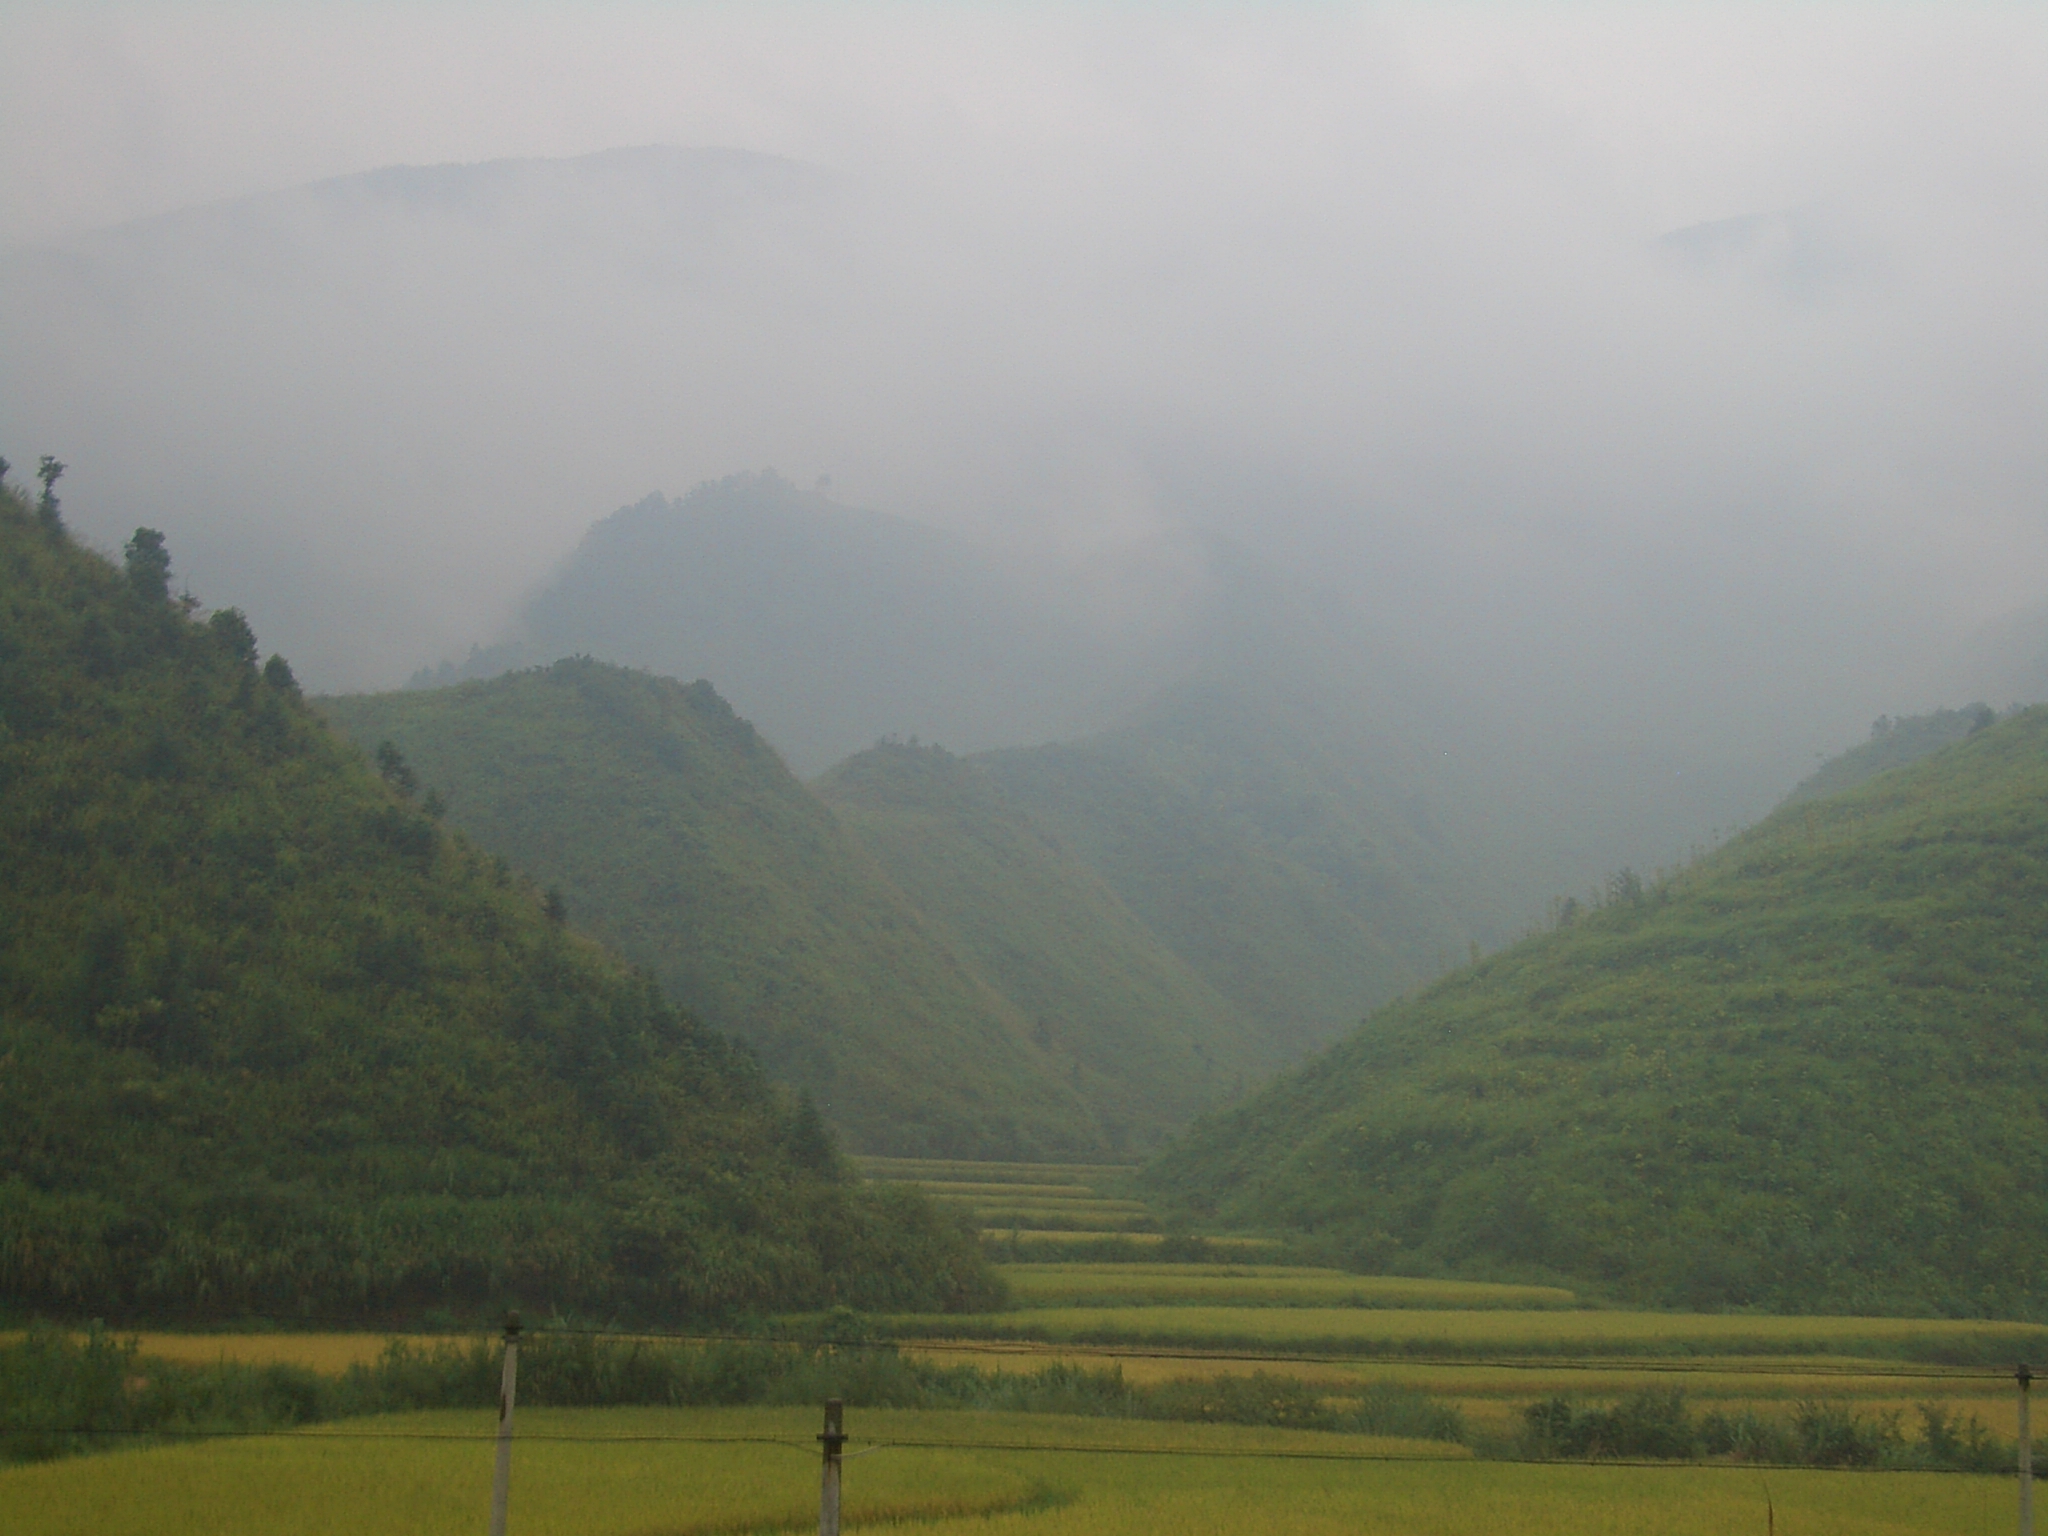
1026	1348
1007	1447
321	1432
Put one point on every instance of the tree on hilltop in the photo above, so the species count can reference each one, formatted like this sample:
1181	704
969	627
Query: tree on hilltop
148	564
230	626
49	471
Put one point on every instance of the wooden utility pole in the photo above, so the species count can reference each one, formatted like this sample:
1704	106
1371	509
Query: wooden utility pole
508	1388
834	1440
2025	1378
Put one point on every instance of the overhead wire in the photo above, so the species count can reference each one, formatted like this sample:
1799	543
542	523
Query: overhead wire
1005	1447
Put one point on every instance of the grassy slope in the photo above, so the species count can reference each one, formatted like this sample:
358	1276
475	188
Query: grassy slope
1144	1038
1892	744
272	1040
677	834
1808	1074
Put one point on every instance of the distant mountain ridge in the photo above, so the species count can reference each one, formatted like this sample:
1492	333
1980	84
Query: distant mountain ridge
692	178
829	626
1287	820
435	311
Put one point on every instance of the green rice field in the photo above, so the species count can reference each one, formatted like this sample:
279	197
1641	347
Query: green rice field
1024	1202
1488	1351
1256	1285
1051	1246
924	1170
638	1472
1471	1331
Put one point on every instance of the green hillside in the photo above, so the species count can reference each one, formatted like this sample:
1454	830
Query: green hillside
1809	1073
676	833
271	1040
1892	744
1143	1037
1293	863
1304	818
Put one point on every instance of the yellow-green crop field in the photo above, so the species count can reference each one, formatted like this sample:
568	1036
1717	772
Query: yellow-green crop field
1471	1330
328	1353
1034	1221
950	1170
1019	1200
1073	1205
1490	1350
1256	1285
969	1190
1001	1236
604	1471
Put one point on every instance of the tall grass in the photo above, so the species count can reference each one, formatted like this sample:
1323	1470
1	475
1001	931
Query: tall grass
60	1395
1660	1425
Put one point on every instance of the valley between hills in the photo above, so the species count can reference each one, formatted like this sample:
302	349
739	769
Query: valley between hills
1158	1075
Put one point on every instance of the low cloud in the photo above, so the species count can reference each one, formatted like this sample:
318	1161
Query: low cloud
1673	377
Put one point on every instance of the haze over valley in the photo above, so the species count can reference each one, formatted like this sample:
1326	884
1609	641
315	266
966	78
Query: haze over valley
1661	438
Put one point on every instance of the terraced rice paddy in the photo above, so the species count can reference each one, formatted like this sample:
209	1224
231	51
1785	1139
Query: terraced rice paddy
1048	1245
1474	1331
1489	1350
1256	1285
1159	1321
1025	1200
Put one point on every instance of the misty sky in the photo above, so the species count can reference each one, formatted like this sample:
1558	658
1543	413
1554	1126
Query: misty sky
1383	292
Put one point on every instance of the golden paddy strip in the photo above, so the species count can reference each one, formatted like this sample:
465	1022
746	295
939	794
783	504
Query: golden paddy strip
941	1187
1047	1173
1508	1331
1118	1209
1164	1285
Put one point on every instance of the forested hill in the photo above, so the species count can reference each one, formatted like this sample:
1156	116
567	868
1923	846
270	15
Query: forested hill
1137	1030
1808	1073
678	835
273	1041
1302	864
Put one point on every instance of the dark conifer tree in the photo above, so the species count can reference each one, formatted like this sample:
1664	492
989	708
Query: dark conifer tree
49	471
148	564
397	772
278	673
231	628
